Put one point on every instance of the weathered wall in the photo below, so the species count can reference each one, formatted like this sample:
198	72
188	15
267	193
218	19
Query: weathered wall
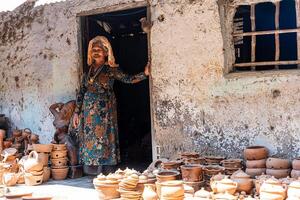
195	106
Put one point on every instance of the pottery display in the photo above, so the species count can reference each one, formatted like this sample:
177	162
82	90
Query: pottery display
149	192
191	173
255	153
167	175
224	185
255	171
278	173
295	174
256	163
244	181
278	163
60	173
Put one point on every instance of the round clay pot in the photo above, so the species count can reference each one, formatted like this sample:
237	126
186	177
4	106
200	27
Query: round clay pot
232	163
256	163
255	171
296	164
295	174
172	189
59	174
59	162
278	173
59	147
59	154
42	148
167	175
171	165
278	163
191	173
107	190
255	153
213	160
46	174
31	180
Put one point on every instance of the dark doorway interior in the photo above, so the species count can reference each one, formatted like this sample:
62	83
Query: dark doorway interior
130	47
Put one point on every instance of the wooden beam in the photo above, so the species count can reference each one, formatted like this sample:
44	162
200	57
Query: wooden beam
277	42
250	64
253	37
297	5
272	32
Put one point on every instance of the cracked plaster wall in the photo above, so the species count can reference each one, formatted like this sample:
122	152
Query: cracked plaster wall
195	106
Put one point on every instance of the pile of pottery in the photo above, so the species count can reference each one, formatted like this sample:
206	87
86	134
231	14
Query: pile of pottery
44	151
128	187
33	169
255	160
59	162
278	167
295	173
232	165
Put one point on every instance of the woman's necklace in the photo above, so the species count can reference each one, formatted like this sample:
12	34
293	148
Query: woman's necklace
91	79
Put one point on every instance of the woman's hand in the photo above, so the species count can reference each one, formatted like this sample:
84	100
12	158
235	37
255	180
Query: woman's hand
147	69
75	120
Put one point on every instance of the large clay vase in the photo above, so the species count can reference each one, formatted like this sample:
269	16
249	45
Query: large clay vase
191	173
255	153
149	192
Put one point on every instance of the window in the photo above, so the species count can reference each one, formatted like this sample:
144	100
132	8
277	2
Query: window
265	36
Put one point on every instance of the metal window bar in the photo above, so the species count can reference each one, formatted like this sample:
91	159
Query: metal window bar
275	32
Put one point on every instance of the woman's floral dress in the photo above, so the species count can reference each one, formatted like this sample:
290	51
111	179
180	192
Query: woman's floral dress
98	129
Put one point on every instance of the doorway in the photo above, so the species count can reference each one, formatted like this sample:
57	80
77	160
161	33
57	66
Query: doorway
130	46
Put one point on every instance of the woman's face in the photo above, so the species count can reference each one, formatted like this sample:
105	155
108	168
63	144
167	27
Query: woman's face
98	54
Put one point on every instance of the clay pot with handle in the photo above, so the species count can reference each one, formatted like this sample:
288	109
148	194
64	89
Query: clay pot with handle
32	163
149	192
225	185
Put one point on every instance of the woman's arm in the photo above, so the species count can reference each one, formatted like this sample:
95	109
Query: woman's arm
80	95
118	74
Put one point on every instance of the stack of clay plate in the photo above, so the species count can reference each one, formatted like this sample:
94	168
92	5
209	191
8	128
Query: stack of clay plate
278	167
128	187
44	151
255	160
59	162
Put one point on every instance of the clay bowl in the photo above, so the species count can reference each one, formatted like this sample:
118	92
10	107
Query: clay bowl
59	162
194	161
213	160
60	173
278	173
169	165
59	147
191	172
278	163
42	148
187	155
211	170
59	154
295	174
232	163
296	164
167	175
255	153
256	163
255	171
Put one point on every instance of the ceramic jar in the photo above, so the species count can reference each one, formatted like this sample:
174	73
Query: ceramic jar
278	163
191	172
244	181
255	153
272	189
60	173
149	192
225	185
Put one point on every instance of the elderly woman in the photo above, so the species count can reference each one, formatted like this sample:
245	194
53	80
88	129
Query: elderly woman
96	104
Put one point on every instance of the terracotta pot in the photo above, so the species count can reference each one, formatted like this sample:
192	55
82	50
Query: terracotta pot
194	161
59	162
213	160
44	158
255	153
278	173
232	163
225	185
295	174
59	174
10	179
42	148
106	189
244	181
46	174
191	173
32	162
230	171
31	180
211	170
149	192
171	165
167	175
272	187
296	164
256	163
59	154
17	133
172	189
255	171
59	147
188	155
37	173
278	163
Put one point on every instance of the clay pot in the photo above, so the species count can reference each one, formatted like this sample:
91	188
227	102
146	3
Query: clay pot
259	181
295	174
167	175
46	174
188	155
59	154
44	158
32	162
191	173
149	192
278	173
296	164
218	177
7	144
59	147
255	171
17	133
26	133
194	161
42	148
31	180
244	181
10	179
213	160
255	153
278	163
59	174
34	138
225	185
256	163
171	165
211	170
59	162
172	189
294	190
232	163
37	173
272	189
230	171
